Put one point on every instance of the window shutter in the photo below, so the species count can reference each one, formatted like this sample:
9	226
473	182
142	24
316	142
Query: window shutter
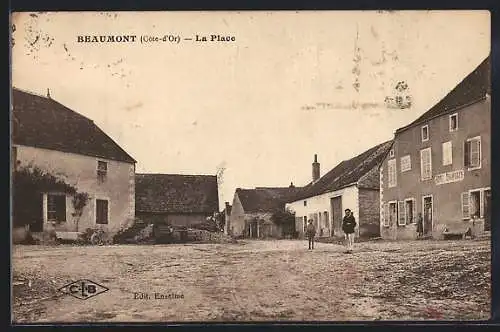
475	147
465	205
414	213
385	214
60	204
466	154
401	213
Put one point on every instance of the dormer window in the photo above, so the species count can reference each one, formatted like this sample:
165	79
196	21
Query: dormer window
454	122
425	133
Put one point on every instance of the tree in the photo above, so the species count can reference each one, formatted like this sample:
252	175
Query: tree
285	219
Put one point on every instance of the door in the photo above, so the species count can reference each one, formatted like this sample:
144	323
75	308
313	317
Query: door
487	210
428	215
336	206
253	229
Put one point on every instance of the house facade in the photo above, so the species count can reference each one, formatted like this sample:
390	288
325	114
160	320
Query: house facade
252	211
174	199
353	184
439	166
49	138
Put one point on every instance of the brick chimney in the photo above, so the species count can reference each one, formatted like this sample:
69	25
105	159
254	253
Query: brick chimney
48	93
315	169
291	185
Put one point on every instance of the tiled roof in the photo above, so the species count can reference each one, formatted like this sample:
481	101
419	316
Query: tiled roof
472	88
345	173
175	193
265	199
44	123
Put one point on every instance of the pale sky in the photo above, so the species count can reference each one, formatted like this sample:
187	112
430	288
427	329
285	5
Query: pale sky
191	107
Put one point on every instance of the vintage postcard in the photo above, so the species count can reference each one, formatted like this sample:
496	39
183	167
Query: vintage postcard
250	166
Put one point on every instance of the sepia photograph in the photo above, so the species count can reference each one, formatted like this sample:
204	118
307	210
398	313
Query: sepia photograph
250	166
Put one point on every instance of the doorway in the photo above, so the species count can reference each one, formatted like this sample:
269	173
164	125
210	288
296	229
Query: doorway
487	210
336	206
427	214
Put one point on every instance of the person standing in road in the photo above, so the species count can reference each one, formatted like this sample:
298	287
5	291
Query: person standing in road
311	233
348	226
420	226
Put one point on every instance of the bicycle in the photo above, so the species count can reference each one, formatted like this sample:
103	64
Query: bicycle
97	238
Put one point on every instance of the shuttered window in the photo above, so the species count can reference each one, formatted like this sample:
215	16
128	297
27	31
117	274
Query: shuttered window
101	211
401	213
447	153
410	211
465	205
472	152
385	214
56	207
425	164
405	163
391	170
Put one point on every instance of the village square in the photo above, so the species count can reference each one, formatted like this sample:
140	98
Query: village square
391	229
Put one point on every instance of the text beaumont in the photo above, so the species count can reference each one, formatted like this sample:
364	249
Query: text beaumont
107	39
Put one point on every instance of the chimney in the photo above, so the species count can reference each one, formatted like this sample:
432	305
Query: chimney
48	93
315	169
227	205
292	185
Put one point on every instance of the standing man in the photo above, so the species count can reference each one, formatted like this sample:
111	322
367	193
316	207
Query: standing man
348	226
311	233
420	226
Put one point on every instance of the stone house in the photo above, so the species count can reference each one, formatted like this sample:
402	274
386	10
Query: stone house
55	140
352	184
174	199
252	211
440	166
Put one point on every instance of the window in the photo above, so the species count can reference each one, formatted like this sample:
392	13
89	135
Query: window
391	153
410	211
454	122
385	215
405	163
473	203
391	170
102	170
101	211
472	153
425	133
56	207
425	164
401	213
393	212
447	153
305	223
305	203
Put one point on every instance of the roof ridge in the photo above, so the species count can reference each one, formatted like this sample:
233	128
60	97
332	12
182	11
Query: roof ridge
177	174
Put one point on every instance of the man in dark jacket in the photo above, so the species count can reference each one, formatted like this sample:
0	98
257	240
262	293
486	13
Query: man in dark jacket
348	226
311	233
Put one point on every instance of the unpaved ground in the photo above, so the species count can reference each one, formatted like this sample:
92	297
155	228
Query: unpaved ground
256	281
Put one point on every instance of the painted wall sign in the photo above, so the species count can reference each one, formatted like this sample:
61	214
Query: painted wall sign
449	177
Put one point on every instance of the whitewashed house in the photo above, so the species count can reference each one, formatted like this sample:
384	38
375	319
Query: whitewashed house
353	184
65	145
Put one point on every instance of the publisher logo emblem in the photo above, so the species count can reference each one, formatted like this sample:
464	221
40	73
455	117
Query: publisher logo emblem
83	289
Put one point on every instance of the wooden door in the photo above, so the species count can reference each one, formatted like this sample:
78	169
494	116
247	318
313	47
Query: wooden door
428	215
487	210
336	206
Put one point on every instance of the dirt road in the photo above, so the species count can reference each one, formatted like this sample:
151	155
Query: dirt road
255	281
